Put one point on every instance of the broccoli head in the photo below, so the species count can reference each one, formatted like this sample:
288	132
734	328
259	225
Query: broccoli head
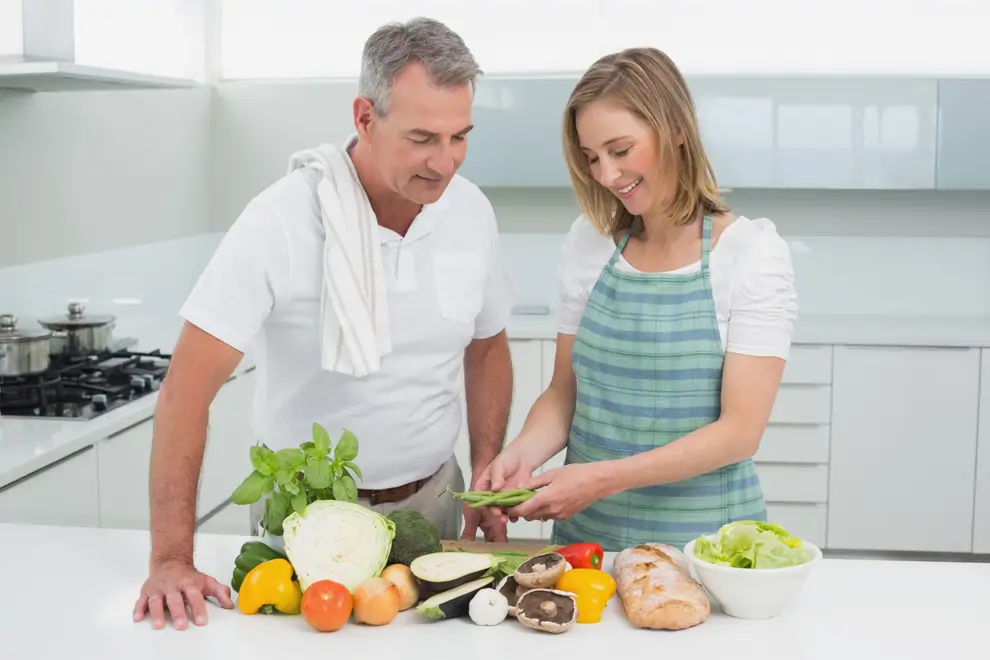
414	536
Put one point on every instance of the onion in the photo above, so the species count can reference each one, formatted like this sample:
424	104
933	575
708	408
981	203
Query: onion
402	578
376	602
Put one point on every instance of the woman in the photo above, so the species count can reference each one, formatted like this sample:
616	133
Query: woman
676	321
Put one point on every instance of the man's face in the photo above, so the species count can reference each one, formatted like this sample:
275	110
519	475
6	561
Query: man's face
422	141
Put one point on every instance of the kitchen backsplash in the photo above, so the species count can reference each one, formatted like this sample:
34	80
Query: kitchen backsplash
144	286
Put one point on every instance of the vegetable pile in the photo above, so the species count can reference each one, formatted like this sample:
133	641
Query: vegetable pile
752	544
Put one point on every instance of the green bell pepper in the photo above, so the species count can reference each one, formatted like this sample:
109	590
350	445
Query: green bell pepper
252	553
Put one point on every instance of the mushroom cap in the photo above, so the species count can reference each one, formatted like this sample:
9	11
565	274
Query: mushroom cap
549	610
508	588
541	571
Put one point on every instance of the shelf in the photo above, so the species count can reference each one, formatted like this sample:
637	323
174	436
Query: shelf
68	77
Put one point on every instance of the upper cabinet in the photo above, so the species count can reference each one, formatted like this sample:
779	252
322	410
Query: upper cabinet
758	132
964	134
818	133
68	45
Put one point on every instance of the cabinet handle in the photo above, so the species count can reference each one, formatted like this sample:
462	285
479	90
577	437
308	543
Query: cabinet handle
132	426
48	467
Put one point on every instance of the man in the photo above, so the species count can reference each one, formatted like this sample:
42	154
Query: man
448	300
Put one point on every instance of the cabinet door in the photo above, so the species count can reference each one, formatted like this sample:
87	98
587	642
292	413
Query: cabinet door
903	448
227	460
63	493
549	355
964	135
981	518
124	462
526	366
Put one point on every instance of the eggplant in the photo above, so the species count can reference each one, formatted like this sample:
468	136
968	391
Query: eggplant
438	572
453	603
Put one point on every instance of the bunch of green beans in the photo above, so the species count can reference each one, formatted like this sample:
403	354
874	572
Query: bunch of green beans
505	498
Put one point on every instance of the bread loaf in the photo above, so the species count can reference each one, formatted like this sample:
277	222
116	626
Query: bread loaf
654	582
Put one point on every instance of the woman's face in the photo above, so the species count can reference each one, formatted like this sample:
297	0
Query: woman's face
623	156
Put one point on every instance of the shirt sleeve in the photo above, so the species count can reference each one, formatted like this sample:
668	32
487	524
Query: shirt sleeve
764	305
499	295
579	264
243	280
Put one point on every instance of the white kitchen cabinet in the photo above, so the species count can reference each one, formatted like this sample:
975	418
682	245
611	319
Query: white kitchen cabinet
903	448
124	462
63	493
228	519
981	515
227	459
527	375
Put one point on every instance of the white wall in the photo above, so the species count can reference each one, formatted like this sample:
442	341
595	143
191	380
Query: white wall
82	172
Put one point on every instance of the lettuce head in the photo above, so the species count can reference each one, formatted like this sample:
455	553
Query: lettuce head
752	544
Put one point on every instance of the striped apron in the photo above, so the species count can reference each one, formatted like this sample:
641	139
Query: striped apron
647	359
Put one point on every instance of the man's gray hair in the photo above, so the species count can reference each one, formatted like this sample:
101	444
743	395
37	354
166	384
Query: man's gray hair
393	46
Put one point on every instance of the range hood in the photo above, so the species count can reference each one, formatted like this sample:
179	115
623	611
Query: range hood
38	53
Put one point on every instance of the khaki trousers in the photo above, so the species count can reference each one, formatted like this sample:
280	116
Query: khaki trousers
445	511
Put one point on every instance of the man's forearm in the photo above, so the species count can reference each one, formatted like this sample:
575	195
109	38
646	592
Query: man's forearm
176	459
488	391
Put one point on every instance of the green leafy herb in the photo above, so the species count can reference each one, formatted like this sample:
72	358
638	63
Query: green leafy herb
295	477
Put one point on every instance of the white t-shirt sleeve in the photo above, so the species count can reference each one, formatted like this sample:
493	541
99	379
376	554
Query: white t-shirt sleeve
245	277
763	306
583	254
499	294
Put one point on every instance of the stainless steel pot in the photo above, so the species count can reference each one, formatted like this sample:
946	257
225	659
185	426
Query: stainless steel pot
22	352
77	333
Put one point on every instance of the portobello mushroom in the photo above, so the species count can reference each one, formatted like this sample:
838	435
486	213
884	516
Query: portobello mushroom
541	571
453	603
547	610
511	590
438	572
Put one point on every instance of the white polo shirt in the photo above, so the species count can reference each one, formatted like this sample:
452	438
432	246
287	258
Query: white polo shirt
446	286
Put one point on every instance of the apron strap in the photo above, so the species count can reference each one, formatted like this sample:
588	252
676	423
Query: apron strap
620	247
706	240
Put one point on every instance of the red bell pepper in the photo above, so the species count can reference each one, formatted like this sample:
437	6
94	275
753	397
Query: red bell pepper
582	555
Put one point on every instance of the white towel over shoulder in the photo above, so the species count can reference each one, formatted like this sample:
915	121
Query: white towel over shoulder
354	323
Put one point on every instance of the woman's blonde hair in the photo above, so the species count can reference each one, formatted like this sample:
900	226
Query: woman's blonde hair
647	83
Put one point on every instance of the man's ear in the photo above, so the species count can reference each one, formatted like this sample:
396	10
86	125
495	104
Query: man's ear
364	115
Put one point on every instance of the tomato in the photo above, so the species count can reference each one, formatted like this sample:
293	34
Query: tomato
327	605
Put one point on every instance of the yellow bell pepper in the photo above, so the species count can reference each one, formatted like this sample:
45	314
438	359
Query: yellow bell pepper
592	587
268	588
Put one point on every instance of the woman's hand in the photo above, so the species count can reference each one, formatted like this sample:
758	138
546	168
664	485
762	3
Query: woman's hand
562	492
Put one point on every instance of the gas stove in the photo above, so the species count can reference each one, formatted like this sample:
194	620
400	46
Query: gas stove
84	387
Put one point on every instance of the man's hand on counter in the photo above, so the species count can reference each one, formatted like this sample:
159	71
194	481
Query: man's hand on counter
174	583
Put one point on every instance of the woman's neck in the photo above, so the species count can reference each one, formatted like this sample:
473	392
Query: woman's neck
657	229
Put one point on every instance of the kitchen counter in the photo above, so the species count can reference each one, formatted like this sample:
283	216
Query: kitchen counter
827	329
76	587
29	444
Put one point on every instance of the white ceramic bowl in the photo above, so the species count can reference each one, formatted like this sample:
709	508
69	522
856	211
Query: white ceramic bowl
753	593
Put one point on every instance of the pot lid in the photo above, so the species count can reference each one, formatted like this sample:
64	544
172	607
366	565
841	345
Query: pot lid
9	333
76	318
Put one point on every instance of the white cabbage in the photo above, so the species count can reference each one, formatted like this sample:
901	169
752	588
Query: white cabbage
339	541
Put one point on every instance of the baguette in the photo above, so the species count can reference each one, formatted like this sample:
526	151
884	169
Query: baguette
654	582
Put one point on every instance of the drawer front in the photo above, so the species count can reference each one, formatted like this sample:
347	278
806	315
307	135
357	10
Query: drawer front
794	483
806	521
802	404
794	443
809	365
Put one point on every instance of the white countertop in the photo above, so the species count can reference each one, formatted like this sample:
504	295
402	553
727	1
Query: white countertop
823	329
76	588
27	445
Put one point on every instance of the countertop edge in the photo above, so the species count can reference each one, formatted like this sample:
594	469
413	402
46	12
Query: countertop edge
94	431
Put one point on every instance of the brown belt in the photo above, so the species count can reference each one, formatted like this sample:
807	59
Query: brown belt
393	494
